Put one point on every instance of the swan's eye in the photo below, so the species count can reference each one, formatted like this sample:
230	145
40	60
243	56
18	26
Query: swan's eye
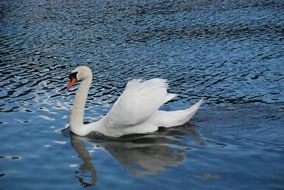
73	76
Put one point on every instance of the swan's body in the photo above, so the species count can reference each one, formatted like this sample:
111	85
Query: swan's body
136	111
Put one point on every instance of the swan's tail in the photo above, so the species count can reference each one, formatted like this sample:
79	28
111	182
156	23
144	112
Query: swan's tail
176	118
193	109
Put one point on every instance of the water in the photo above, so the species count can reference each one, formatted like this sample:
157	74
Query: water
229	52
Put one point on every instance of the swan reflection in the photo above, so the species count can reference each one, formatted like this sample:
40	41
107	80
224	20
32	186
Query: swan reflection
140	154
87	165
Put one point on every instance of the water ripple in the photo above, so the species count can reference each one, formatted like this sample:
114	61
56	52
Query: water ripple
208	61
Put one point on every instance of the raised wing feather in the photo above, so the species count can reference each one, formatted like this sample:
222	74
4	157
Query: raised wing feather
137	103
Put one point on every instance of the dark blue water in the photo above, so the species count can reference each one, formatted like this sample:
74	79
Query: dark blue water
229	52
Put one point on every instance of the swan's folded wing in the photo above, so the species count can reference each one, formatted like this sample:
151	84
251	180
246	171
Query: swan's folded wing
138	102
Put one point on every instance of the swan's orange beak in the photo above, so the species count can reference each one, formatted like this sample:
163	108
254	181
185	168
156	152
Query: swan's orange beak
71	83
73	80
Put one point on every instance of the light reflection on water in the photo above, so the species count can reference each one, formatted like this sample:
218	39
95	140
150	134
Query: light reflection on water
229	52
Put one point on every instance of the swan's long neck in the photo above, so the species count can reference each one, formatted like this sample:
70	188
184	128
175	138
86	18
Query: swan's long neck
77	114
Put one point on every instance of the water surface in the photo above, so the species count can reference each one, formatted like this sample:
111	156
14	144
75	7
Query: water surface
229	52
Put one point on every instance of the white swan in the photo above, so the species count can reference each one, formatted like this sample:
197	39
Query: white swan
136	111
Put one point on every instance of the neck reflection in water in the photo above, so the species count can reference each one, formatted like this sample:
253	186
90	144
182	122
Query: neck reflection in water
141	155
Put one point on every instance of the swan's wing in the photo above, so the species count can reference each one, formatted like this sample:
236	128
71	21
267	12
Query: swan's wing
138	102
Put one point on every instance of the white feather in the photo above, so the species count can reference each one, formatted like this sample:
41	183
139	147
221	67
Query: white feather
139	101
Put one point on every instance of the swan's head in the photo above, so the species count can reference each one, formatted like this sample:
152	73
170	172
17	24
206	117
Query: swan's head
78	74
